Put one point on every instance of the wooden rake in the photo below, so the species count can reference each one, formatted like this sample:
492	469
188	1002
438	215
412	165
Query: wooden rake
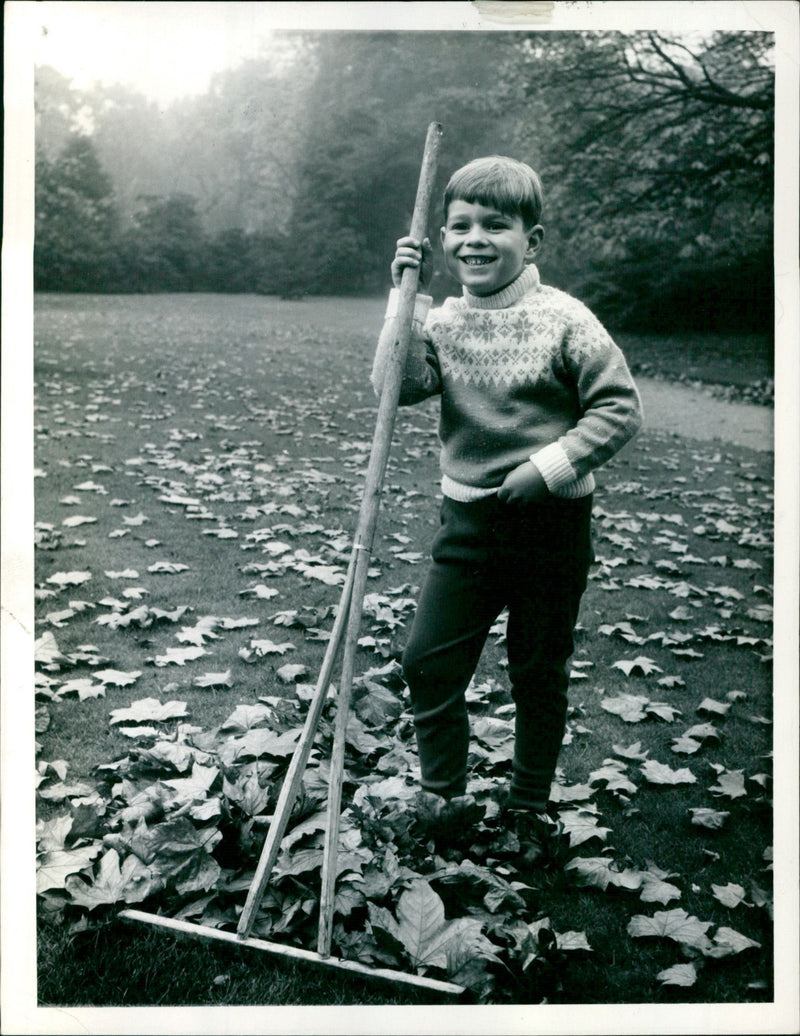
346	628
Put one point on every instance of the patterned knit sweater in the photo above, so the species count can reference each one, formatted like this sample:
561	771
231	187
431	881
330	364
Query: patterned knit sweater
527	373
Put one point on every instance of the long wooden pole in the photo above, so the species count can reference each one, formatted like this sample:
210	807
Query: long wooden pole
365	535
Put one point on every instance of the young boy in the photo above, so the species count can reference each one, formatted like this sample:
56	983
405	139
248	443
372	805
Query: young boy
534	396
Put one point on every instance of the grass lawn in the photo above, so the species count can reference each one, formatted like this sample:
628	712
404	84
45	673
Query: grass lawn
199	461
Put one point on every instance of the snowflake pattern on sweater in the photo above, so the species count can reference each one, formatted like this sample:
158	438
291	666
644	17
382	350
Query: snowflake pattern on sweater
514	346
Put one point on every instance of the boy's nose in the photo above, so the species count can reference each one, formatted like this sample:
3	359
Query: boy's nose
476	235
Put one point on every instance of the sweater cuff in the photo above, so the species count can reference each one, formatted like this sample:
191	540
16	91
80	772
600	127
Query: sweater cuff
422	305
554	466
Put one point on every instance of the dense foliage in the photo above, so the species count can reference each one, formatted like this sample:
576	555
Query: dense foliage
296	172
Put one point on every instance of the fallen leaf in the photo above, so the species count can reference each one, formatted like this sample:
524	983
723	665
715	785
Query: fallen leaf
673	924
69	578
54	867
116	678
730	783
659	773
703	816
730	895
149	710
214	680
641	664
678	975
292	673
130	883
727	942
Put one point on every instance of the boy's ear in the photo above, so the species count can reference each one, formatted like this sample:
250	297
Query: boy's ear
535	239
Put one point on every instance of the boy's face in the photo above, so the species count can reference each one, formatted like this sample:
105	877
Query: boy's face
485	249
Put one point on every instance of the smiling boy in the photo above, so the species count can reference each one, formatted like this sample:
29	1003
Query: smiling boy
535	396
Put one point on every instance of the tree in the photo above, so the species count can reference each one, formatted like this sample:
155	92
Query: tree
661	169
165	249
369	105
75	221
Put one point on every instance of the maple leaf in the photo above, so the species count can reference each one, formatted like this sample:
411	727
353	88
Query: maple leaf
332	575
673	924
570	792
130	883
659	773
260	591
262	741
244	717
51	835
194	787
671	681
60	791
641	664
83	687
730	783
613	773
169	567
730	895
633	751
703	731
251	788
600	872
678	975
572	941
581	825
685	745
663	710
719	708
379	707
629	707
55	866
727	942
69	578
149	710
431	941
78	519
179	656
267	647
116	678
656	890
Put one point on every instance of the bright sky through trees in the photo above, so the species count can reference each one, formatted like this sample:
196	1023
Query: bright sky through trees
164	50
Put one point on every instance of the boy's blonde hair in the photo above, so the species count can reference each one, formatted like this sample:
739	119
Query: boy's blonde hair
508	185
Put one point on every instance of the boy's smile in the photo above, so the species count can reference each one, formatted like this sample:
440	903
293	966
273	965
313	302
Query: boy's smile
485	249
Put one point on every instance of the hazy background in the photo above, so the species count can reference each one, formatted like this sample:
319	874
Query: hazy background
198	147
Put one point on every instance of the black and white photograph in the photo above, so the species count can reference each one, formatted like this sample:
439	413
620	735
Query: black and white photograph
400	517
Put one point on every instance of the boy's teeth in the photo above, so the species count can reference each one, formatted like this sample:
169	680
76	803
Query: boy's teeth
477	260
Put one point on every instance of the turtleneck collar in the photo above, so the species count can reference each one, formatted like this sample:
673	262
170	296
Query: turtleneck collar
529	278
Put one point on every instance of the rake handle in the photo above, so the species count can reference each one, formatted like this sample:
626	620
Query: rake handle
368	516
350	605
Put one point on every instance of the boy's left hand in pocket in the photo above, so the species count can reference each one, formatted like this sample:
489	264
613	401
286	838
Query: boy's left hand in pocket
523	485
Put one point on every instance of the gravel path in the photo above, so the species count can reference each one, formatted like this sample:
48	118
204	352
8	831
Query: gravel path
690	412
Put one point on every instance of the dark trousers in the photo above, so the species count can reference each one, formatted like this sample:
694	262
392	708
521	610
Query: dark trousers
487	556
